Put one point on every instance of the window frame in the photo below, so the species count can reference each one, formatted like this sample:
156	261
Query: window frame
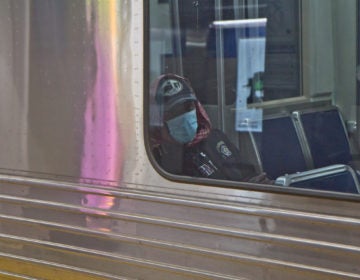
271	105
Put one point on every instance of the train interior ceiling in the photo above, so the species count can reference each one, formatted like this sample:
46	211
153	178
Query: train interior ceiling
293	63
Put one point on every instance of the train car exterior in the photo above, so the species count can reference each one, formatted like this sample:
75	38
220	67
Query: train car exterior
83	197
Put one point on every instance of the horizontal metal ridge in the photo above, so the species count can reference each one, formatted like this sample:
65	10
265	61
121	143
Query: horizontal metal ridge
208	204
257	261
184	224
124	259
313	245
8	275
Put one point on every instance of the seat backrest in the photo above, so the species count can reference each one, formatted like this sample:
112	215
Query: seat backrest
279	147
326	136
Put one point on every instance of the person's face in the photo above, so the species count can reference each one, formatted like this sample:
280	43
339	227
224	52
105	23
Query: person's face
178	110
174	112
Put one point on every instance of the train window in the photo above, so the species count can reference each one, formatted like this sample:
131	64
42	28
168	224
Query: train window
259	91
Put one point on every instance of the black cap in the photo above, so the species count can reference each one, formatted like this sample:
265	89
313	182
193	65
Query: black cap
172	90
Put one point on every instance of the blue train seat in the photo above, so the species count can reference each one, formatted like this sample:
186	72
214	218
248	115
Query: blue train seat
326	136
279	147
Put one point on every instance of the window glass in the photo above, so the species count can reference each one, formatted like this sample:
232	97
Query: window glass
259	91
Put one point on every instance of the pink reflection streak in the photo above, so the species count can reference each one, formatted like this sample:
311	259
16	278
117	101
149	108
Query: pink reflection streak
102	156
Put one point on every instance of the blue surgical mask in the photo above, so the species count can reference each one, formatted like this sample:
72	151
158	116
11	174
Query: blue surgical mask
183	128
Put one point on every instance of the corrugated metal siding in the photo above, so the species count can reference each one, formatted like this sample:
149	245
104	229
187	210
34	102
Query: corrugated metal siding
158	236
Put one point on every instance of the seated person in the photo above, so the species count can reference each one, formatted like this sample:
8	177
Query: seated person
184	142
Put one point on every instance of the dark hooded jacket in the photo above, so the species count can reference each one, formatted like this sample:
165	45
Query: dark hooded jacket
210	154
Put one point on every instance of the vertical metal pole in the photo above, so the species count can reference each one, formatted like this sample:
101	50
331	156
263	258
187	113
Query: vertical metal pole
177	39
253	8
220	66
239	9
239	13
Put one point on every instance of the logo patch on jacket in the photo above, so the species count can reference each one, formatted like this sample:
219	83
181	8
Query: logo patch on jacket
223	149
206	170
